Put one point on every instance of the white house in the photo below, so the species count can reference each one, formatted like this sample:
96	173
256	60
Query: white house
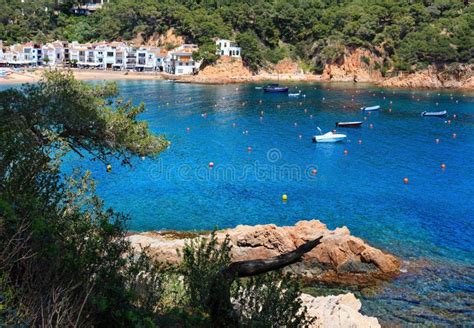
227	48
180	60
53	53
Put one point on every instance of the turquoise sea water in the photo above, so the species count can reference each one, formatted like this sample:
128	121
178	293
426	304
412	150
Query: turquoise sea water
429	222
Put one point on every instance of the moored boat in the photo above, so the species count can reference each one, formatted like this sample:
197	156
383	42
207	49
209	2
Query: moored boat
354	124
442	113
329	137
371	108
294	94
274	88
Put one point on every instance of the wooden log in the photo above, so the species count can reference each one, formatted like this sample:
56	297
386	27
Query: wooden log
255	267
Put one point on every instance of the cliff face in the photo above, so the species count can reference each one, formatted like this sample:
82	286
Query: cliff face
356	65
340	258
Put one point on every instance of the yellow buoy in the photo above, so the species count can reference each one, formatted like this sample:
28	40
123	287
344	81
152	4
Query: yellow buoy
109	168
284	197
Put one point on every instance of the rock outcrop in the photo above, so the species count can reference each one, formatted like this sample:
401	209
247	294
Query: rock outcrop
225	70
339	311
340	258
356	66
433	78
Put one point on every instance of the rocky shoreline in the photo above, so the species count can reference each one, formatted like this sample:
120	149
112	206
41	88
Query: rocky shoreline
356	66
340	259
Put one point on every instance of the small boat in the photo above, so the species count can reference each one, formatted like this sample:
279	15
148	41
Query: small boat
294	94
274	88
329	137
372	108
258	88
442	113
354	124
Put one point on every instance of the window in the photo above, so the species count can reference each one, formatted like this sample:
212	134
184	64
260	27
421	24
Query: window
237	53
222	52
110	54
225	44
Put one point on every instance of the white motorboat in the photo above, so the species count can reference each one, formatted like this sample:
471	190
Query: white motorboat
371	108
442	113
294	94
329	137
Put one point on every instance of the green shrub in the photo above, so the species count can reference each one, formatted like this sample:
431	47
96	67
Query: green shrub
365	60
203	258
271	300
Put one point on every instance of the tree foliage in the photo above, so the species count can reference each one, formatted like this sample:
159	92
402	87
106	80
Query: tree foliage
63	256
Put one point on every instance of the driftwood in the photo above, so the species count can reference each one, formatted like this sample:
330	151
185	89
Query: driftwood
255	267
220	288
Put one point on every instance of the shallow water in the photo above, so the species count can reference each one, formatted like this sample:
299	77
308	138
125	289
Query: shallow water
428	220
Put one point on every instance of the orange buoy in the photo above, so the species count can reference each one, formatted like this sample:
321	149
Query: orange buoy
305	110
360	141
449	121
443	166
454	116
249	149
188	129
454	135
346	152
211	164
371	126
314	171
405	180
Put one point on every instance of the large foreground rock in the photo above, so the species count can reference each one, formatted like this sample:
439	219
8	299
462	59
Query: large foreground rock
339	311
340	258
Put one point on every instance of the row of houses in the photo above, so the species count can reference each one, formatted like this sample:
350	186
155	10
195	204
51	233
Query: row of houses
110	55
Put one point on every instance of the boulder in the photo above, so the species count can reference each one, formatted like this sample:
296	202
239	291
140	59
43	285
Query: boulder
339	311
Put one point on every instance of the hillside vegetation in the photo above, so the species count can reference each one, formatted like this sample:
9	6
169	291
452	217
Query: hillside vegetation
409	35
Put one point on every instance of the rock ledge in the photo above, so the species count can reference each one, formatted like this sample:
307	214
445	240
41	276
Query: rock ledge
340	258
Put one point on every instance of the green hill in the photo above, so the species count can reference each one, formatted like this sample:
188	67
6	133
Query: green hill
409	35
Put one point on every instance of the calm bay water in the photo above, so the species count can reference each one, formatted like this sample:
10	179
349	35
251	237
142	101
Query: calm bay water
428	222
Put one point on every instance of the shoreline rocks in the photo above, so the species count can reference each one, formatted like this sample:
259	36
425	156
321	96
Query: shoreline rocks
340	258
337	311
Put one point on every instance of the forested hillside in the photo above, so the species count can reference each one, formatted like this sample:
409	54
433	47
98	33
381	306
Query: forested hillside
409	35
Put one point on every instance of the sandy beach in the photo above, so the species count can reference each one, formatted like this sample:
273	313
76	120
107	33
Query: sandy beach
85	75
